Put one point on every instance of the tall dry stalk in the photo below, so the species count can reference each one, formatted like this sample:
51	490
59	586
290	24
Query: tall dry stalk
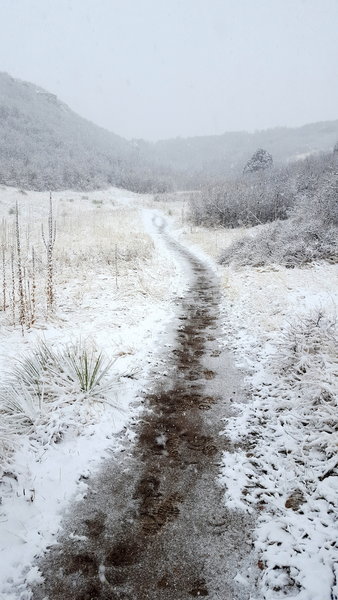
19	270
25	296
116	267
49	245
4	281
29	307
33	298
13	285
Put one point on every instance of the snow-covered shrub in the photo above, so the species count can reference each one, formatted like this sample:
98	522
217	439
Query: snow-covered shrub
321	204
310	234
294	242
258	197
46	387
19	409
302	349
78	368
268	195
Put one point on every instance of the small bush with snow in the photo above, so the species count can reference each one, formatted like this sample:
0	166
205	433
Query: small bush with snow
290	243
309	234
46	384
300	200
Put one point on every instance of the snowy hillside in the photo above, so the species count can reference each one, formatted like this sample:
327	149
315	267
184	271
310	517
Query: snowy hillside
45	145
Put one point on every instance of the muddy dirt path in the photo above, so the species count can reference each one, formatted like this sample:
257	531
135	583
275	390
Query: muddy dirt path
153	525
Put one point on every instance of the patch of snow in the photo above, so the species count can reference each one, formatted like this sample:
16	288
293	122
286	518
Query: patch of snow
280	326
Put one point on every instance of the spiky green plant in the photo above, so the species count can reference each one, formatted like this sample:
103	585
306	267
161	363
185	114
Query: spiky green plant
76	368
87	367
19	409
33	372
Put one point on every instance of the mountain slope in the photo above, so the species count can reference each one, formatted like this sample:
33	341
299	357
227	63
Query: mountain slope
44	144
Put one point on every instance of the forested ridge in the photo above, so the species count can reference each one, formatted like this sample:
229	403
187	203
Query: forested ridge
45	145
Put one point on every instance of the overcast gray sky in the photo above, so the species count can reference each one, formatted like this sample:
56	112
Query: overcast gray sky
166	68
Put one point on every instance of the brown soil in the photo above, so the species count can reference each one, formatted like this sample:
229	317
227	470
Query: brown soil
153	519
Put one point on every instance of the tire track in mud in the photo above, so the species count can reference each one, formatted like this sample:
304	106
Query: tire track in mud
152	525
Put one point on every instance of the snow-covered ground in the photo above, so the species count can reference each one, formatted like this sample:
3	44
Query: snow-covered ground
114	287
281	326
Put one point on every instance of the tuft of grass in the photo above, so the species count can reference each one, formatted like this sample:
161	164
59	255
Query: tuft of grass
34	370
76	368
43	388
19	409
86	366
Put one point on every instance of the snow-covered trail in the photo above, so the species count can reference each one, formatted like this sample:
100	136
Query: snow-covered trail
153	524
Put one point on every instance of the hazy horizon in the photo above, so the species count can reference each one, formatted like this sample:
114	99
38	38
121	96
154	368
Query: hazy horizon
157	70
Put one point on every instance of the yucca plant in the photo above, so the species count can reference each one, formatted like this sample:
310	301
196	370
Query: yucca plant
86	367
76	368
7	445
19	409
33	372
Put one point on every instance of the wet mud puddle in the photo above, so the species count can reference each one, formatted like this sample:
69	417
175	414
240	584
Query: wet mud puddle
153	525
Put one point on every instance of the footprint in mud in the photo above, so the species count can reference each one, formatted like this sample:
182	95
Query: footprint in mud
206	403
96	525
209	374
85	564
215	353
123	555
199	589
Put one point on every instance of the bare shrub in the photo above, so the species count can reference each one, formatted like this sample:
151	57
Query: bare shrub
303	348
310	232
290	243
249	200
268	195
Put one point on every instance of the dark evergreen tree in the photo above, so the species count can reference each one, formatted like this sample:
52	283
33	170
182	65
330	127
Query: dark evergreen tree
261	159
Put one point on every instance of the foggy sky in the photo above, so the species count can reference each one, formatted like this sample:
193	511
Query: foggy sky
165	68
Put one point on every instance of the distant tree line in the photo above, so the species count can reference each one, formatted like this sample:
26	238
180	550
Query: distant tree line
57	169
